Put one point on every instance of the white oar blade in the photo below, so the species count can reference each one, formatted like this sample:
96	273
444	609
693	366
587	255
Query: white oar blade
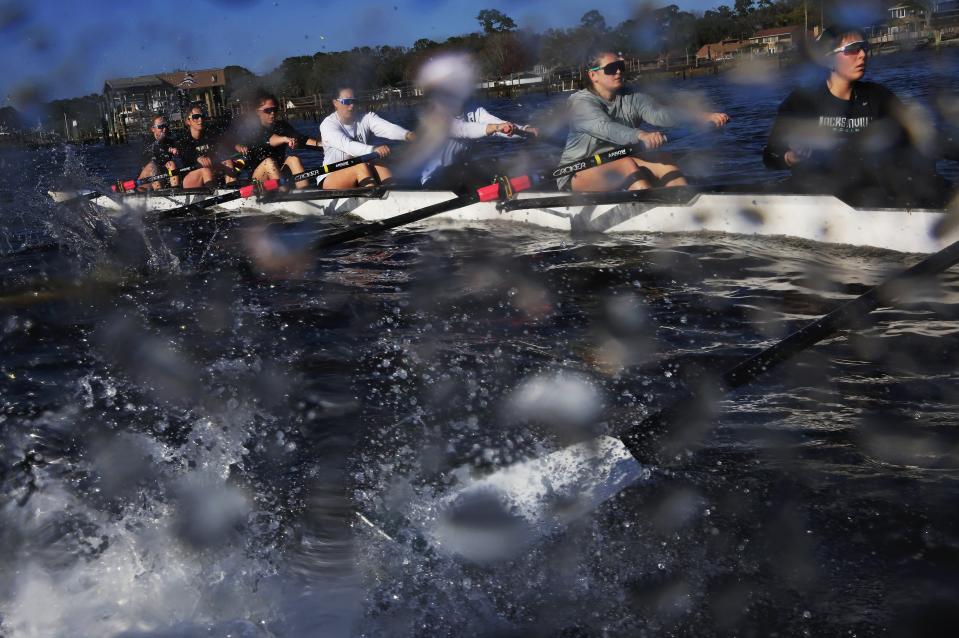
497	516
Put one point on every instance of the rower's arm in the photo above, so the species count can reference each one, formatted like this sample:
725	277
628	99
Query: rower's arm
589	118
467	130
774	153
482	115
334	137
643	108
385	129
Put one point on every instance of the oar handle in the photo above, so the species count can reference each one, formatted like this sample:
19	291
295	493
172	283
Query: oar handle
597	159
591	161
331	168
131	184
519	131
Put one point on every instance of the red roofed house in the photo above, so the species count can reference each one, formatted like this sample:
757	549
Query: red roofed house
129	102
725	50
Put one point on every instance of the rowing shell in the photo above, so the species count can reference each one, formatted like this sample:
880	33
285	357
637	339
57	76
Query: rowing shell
820	218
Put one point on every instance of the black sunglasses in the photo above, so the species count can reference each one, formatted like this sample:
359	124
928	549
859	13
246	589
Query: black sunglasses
161	126
197	116
611	68
270	110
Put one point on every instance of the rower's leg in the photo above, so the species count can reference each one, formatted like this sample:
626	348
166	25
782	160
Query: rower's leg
228	174
368	175
295	165
199	177
665	174
384	174
624	173
266	170
148	171
341	179
352	177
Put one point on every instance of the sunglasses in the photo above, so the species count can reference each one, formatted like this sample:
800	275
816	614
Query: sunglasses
270	110
853	48
161	127
612	68
197	116
346	101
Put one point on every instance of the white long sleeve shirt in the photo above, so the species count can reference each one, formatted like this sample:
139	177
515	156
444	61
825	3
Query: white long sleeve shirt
471	125
345	141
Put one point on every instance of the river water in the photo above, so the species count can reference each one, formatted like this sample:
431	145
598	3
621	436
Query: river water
186	433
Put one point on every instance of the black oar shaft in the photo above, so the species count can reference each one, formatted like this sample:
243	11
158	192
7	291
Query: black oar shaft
364	230
596	159
668	195
268	185
843	316
661	435
335	166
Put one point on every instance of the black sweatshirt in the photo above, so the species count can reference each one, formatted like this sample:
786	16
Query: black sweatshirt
815	119
860	149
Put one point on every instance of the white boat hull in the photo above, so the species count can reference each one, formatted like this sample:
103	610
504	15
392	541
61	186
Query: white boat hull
819	218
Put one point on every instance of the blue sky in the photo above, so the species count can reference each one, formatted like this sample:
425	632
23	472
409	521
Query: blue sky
57	48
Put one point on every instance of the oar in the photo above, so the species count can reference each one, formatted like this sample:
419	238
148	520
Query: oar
122	186
265	186
597	159
664	194
499	190
330	168
540	496
132	184
79	198
256	188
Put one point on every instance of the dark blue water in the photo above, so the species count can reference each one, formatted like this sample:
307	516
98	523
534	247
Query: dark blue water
186	431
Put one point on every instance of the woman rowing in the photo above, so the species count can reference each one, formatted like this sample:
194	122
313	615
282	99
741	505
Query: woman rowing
451	168
609	114
849	137
347	133
193	147
158	151
266	141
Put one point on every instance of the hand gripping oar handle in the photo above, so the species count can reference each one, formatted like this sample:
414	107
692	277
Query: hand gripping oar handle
646	438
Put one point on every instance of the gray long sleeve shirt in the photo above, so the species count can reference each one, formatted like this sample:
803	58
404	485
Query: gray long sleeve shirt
597	125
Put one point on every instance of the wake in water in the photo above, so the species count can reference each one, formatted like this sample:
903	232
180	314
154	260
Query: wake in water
54	245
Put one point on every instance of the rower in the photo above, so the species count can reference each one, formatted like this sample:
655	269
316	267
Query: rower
848	137
267	140
347	133
158	151
193	147
608	114
448	170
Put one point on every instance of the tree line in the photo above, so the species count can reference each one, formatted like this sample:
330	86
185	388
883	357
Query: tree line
501	48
